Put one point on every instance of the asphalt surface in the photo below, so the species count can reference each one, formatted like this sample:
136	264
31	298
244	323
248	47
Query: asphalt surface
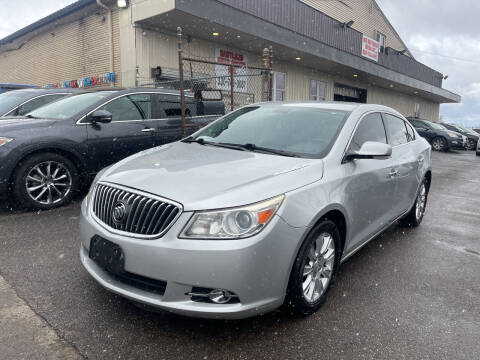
408	294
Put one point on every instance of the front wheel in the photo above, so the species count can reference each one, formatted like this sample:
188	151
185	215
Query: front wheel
471	144
415	216
45	181
439	144
314	269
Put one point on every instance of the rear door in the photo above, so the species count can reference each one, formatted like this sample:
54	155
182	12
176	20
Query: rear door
128	133
370	188
406	161
167	120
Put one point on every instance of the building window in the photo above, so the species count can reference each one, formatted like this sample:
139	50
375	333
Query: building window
279	83
381	38
317	90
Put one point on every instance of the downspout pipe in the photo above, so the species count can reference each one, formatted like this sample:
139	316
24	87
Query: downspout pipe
110	31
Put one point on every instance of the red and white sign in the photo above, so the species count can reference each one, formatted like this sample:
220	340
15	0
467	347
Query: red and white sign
370	48
222	73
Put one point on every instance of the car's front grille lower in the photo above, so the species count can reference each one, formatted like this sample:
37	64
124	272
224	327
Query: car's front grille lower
141	282
141	215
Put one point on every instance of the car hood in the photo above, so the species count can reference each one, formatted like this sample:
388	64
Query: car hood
12	123
203	177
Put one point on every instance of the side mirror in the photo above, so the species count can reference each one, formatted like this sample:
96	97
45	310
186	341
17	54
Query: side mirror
101	116
371	150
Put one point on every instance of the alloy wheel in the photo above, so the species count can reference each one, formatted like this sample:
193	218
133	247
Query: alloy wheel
471	145
421	202
318	268
437	144
48	183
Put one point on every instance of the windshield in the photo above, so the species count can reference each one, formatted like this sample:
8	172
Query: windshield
300	130
466	129
11	99
70	106
438	126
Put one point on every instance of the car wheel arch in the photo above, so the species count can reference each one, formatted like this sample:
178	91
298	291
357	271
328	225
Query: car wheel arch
70	155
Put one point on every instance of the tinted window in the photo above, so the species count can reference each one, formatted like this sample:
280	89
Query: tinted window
171	109
37	103
296	129
144	104
397	131
419	124
370	129
127	108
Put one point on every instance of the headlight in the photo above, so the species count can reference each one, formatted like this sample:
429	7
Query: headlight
4	140
453	135
235	223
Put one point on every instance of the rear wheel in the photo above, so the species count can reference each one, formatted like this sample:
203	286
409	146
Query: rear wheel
415	216
314	269
45	181
439	144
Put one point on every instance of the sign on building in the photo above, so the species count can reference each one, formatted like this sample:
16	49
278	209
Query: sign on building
222	73
370	48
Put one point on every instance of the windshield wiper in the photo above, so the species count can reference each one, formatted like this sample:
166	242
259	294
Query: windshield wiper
190	140
31	116
253	147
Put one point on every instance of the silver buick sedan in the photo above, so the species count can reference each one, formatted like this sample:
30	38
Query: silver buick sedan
256	210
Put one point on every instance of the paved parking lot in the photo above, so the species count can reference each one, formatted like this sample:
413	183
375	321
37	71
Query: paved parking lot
409	294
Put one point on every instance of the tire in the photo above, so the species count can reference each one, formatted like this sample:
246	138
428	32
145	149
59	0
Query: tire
440	144
478	153
471	145
325	268
45	181
415	216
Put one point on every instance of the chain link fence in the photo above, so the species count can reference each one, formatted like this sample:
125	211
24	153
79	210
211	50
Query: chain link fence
230	80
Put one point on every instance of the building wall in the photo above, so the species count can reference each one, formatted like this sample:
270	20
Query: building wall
368	18
157	49
66	52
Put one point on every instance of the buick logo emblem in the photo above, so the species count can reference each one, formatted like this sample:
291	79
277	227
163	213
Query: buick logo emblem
119	213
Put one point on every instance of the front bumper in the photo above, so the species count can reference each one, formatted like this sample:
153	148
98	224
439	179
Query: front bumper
456	143
257	269
7	165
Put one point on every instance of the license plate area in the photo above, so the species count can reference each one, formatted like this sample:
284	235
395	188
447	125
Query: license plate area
108	255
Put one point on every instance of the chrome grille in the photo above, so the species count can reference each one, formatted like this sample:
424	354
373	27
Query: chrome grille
145	216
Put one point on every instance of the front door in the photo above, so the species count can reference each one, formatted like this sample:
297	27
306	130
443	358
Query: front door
370	187
128	133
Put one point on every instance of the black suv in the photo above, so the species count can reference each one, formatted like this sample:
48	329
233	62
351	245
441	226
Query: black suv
471	135
441	138
21	102
45	156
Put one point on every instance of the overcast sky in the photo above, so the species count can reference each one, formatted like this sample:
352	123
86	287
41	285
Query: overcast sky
442	34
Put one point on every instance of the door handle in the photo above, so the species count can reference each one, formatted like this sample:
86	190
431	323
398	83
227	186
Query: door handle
393	173
148	130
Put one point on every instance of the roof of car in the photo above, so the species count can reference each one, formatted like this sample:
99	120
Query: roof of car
36	92
336	105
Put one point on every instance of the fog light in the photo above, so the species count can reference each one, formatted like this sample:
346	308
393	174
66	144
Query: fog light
216	296
219	296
